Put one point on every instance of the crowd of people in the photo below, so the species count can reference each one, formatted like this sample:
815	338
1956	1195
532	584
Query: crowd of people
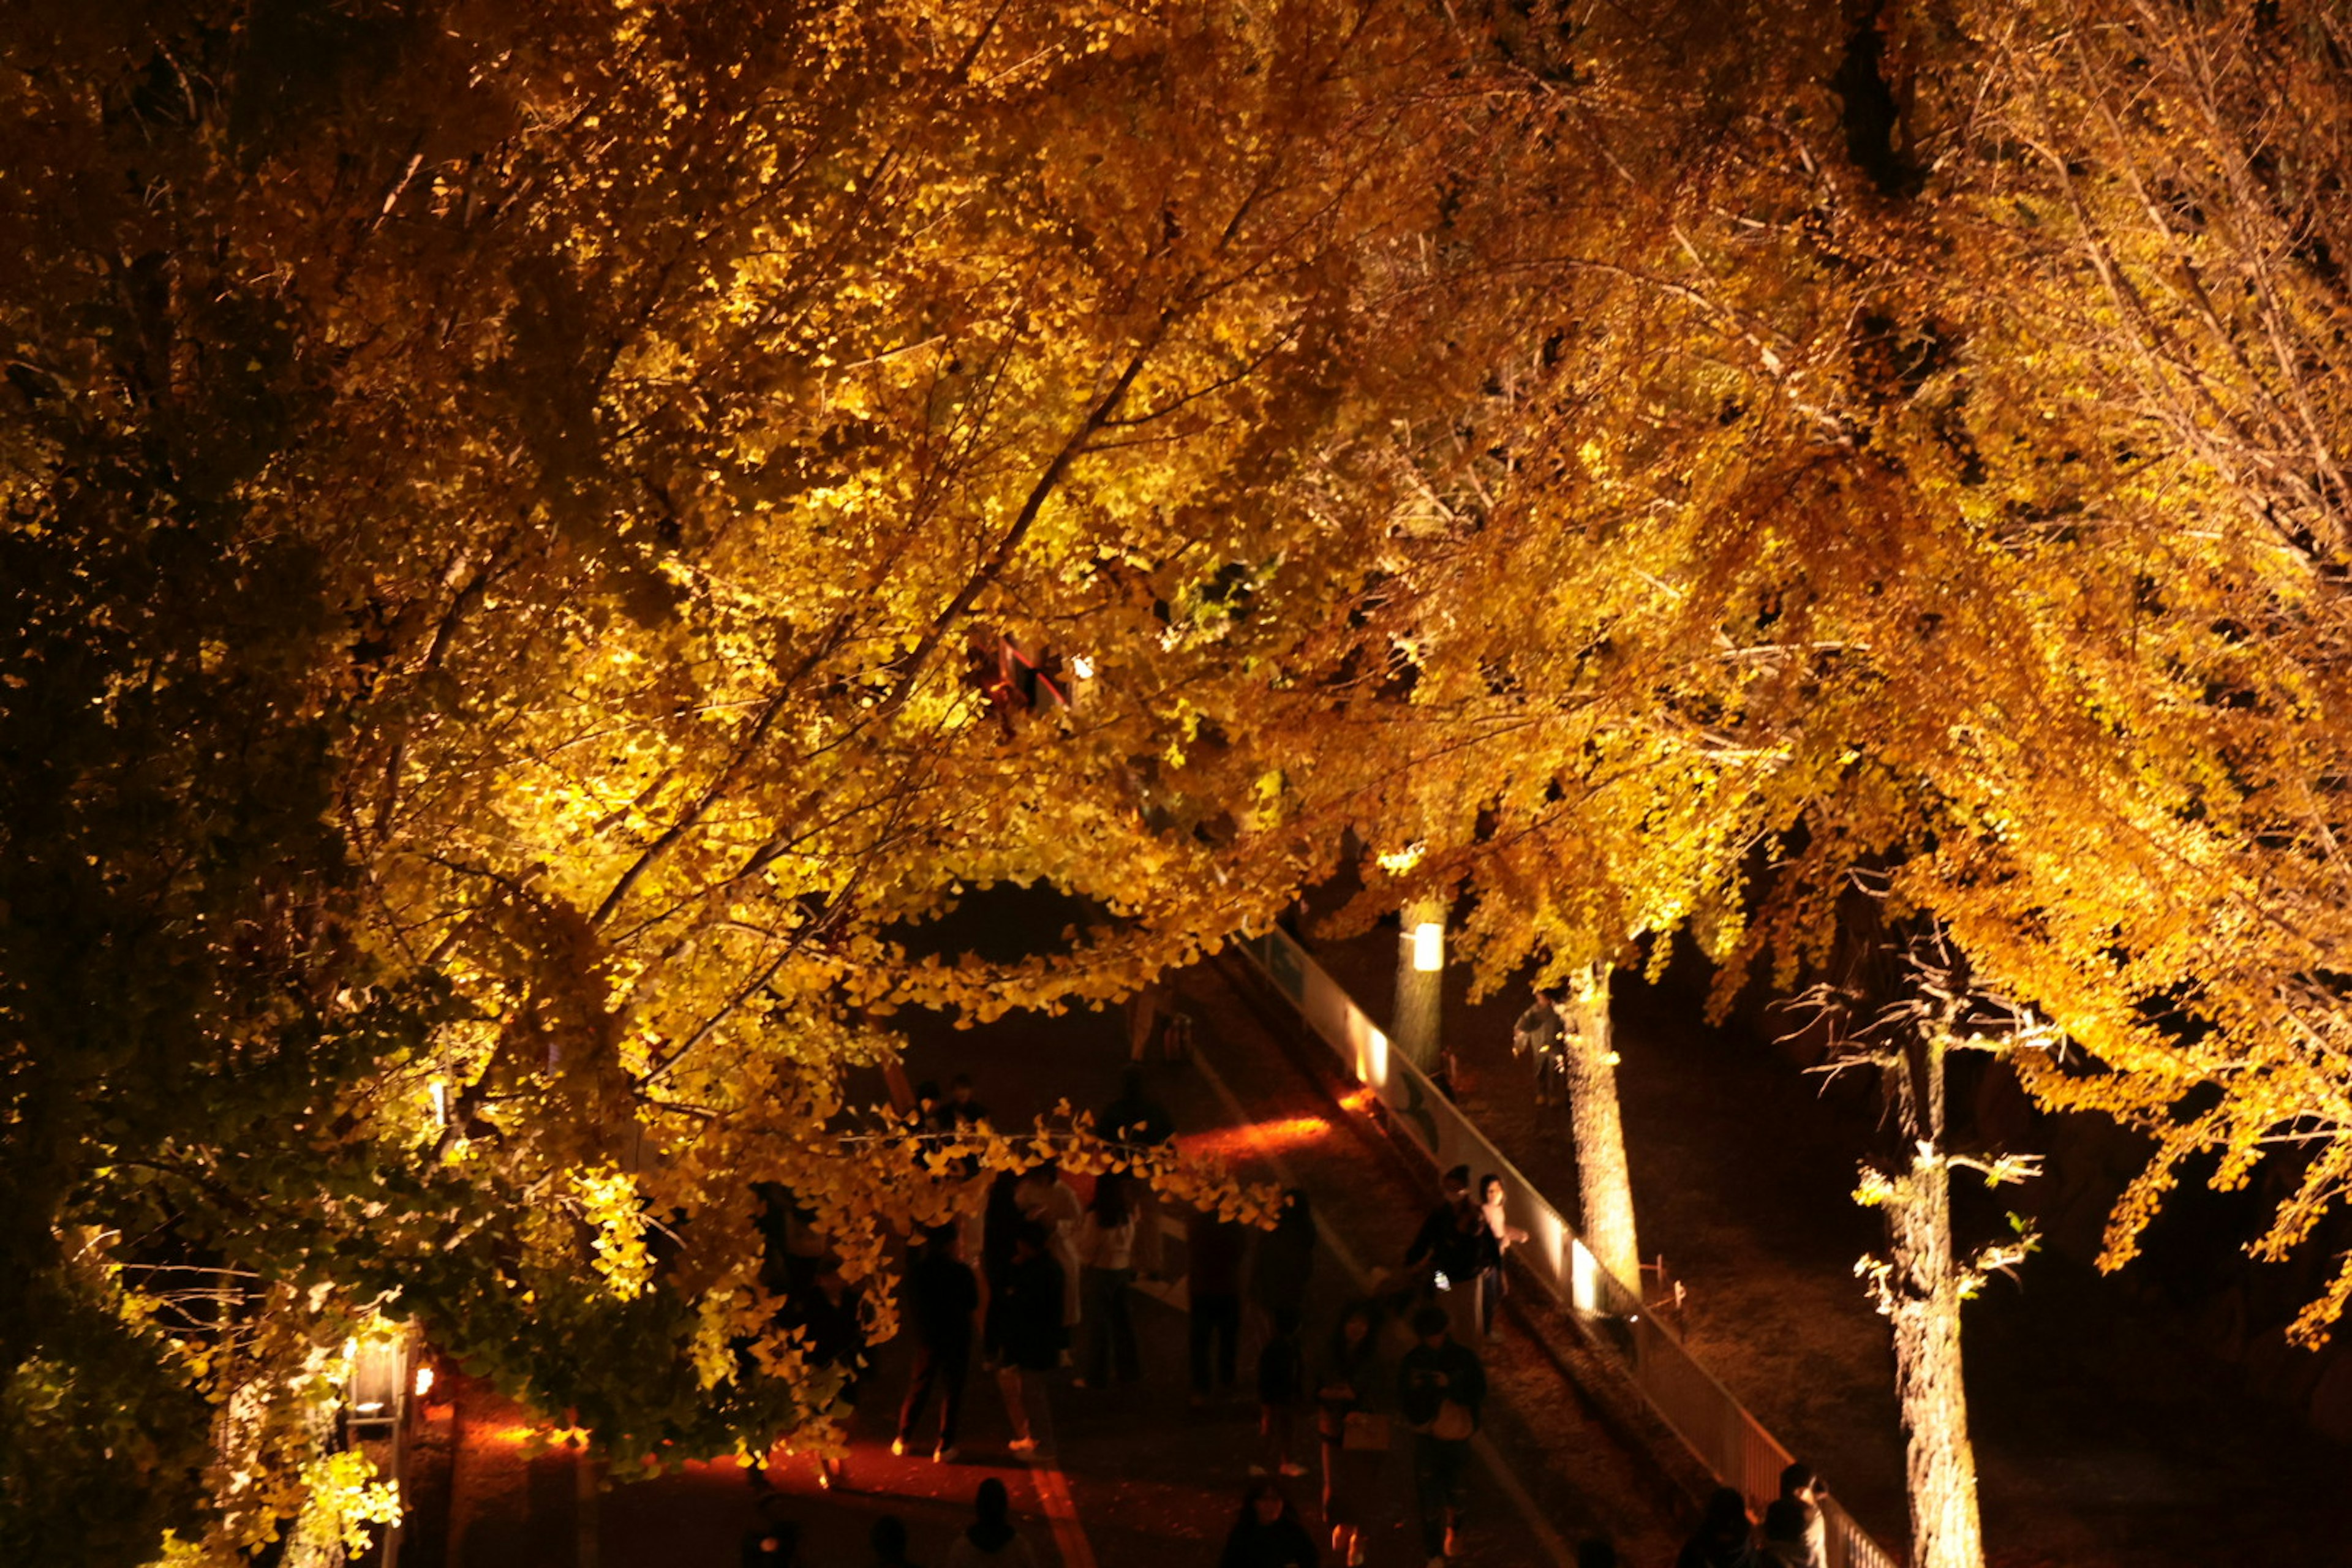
1040	1281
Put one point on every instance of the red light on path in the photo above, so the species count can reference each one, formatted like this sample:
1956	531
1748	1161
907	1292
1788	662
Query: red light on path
1258	1138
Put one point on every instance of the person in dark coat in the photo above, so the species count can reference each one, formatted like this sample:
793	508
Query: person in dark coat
991	1541
1438	1241
1025	1318
832	1313
1268	1534
1722	1538
1285	1261
941	1298
1000	1223
1441	1389
1214	1249
1348	1383
1281	1392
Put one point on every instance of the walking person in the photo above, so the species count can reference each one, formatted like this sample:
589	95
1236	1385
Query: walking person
991	1541
1268	1534
834	1315
1541	1038
1352	1429
1450	1250
1025	1326
1106	1248
1214	1249
1492	1282
1436	1244
1281	1391
1441	1389
941	1298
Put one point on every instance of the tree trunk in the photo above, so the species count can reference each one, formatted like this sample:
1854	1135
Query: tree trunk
1603	1179
1920	1291
1418	990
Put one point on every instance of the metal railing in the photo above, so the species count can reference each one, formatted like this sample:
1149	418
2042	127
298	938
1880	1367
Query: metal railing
1717	1428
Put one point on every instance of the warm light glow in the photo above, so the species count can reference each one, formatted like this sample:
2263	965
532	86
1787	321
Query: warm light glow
520	1436
1259	1138
1082	667
1554	1239
1429	947
1375	1065
1358	1100
424	1381
440	1102
1397	862
1584	1279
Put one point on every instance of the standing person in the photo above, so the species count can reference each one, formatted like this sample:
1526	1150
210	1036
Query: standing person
1026	1324
941	1298
991	1541
1268	1534
1541	1038
1285	1261
1000	1222
1215	1249
834	1318
1784	1544
1136	1117
1721	1540
1106	1253
1434	1245
1501	1237
889	1539
1802	1485
1281	1390
1441	1388
1353	1429
1053	1203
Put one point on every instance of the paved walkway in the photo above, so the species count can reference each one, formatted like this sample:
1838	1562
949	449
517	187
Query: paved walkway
2104	1437
1141	1480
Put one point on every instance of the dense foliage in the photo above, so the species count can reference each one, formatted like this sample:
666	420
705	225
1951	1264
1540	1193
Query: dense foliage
505	511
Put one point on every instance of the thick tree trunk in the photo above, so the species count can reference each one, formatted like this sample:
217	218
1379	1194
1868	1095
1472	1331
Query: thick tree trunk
1418	990
1603	1178
1920	1291
1941	1465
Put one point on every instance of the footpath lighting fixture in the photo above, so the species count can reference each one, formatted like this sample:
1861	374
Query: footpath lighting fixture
1429	947
379	1385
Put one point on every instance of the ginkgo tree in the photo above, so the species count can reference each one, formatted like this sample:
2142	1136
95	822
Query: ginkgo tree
499	502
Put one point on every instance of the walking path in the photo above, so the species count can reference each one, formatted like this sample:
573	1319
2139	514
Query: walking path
2104	1437
1139	1480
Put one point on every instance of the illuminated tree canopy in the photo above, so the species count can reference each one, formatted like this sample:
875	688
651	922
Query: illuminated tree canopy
507	508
